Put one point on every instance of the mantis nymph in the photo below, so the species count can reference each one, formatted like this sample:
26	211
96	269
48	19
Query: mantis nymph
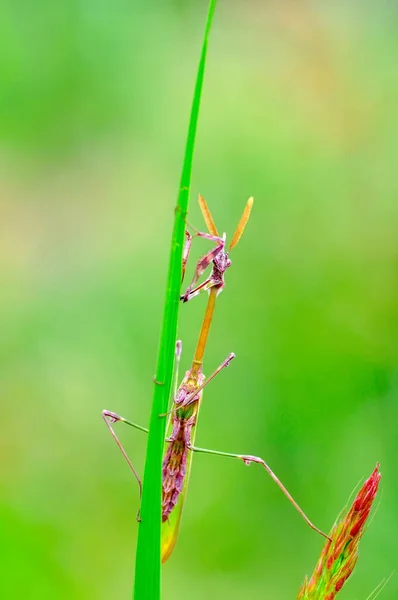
186	400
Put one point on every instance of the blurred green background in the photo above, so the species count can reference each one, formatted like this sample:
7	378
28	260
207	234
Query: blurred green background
300	111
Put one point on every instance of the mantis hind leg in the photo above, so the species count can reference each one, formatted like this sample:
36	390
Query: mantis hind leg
248	459
110	418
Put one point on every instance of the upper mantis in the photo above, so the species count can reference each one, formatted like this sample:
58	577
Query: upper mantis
186	400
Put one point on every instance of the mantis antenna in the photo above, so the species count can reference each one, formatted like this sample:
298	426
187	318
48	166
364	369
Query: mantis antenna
207	216
242	223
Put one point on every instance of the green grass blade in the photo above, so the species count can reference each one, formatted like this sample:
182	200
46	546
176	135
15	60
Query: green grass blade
148	565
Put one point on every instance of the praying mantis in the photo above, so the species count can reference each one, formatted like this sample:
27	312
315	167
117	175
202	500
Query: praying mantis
186	399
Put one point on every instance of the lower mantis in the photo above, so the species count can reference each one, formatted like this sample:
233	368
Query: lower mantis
180	440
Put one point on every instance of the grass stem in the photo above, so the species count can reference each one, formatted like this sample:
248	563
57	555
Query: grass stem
147	584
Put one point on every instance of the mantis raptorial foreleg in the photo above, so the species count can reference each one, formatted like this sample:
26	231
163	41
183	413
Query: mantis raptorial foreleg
248	459
174	387
201	265
188	244
185	254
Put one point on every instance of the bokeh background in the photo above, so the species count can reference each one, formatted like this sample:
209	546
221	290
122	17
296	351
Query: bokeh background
300	111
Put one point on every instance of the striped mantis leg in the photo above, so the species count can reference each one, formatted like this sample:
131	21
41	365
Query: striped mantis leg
110	418
248	459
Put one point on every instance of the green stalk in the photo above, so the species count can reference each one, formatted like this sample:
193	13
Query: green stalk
147	585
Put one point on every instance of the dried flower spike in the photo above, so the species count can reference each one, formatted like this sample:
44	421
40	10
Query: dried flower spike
339	556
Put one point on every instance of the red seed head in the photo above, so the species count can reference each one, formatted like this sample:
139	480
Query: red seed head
338	557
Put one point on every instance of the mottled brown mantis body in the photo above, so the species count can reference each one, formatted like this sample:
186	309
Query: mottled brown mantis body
180	441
